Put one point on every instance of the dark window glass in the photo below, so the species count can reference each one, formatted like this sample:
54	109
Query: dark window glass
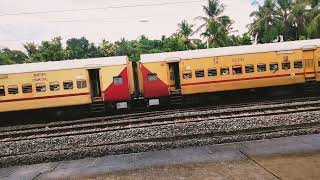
274	67
81	83
249	68
187	74
237	69
2	92
286	65
13	89
117	80
154	77
199	73
41	87
212	72
67	85
224	71
298	64
27	88
54	86
261	67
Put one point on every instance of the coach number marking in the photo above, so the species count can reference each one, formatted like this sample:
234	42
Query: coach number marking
39	77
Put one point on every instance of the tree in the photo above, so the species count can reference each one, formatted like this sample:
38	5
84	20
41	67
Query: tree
215	34
283	10
5	58
32	52
173	43
314	19
77	48
150	45
244	39
52	50
107	49
298	17
265	26
128	48
8	56
213	12
93	51
285	20
185	31
215	24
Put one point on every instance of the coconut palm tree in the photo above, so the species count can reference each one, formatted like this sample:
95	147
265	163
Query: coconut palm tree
298	17
283	11
314	19
31	49
266	26
212	20
185	31
215	34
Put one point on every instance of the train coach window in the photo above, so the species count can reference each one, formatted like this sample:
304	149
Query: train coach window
118	80
249	68
224	71
154	77
298	64
212	72
199	73
27	88
274	67
237	69
54	86
13	90
67	85
187	74
41	87
2	92
81	83
261	67
286	65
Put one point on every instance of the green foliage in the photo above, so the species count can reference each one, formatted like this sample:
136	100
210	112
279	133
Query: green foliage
285	20
106	49
52	50
185	31
8	56
77	48
217	26
313	28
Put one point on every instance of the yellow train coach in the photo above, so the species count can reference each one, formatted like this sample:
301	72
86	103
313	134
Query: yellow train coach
96	83
229	68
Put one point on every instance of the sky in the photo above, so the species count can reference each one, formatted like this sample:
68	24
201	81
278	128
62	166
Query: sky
101	22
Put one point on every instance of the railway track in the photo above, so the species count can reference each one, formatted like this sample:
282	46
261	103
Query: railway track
169	140
183	129
205	114
124	117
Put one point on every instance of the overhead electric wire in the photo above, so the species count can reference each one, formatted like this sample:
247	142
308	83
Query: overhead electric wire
100	8
88	9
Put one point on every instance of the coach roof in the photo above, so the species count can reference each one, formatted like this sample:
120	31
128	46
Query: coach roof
235	50
65	64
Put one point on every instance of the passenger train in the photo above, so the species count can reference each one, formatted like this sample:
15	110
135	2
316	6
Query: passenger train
109	84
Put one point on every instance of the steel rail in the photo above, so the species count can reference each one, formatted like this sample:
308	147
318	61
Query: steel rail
125	117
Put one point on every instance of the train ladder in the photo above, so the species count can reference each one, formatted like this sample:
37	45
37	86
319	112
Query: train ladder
176	97
98	107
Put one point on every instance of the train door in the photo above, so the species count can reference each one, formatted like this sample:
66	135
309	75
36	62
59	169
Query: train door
174	76
309	62
94	76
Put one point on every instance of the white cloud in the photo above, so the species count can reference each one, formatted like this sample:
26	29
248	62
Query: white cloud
111	24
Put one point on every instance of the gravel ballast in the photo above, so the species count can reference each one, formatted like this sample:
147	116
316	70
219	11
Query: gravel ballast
122	141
